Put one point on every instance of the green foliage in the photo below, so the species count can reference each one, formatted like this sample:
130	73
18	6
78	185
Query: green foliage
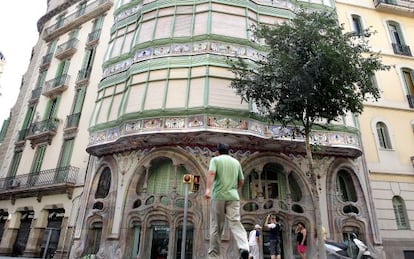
313	70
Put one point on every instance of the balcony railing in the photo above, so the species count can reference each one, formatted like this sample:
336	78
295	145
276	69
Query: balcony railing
395	6
72	121
22	134
410	99
56	86
77	18
67	49
51	181
401	49
46	61
93	37
35	95
42	131
83	75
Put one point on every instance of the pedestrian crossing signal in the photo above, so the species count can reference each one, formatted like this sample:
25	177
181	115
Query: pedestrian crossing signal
188	178
196	183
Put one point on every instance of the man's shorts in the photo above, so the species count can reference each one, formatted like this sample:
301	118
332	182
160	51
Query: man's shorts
275	247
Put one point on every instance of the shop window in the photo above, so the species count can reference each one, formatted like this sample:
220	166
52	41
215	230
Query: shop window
3	219
188	242
52	233
160	240
23	233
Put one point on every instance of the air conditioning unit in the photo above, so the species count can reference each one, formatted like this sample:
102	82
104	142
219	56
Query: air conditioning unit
15	183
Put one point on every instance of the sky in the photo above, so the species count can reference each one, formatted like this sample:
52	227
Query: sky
18	35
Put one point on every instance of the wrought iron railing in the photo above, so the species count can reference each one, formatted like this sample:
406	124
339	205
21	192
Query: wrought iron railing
401	49
56	82
61	175
410	99
46	59
43	126
36	93
94	36
70	44
72	121
72	17
400	3
83	74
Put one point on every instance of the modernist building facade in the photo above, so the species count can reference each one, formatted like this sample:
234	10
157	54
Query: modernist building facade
122	98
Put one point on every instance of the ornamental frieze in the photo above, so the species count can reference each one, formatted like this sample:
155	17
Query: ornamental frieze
193	48
224	124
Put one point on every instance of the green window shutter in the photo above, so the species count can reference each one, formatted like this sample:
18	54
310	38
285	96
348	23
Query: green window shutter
15	163
79	99
4	129
29	117
66	153
52	47
37	164
52	108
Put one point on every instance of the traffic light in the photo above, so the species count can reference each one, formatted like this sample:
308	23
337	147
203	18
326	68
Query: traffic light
196	183
188	178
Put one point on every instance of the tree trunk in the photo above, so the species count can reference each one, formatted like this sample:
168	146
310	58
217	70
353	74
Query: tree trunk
320	243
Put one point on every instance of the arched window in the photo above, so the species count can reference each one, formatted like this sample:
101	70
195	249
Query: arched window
273	184
357	24
104	184
398	43
400	211
345	187
94	238
295	192
273	181
409	84
383	136
162	177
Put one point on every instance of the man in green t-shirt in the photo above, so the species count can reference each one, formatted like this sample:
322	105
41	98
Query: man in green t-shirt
224	177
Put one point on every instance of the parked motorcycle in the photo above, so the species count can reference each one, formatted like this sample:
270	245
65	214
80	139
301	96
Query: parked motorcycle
354	249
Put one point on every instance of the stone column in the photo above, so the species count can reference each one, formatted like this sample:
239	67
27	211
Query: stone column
37	231
10	233
65	239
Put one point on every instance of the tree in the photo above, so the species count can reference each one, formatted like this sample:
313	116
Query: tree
312	70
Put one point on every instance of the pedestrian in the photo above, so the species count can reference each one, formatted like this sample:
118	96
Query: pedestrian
301	236
224	177
254	236
275	236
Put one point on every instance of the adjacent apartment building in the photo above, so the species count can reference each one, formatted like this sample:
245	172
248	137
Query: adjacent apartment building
387	126
122	98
